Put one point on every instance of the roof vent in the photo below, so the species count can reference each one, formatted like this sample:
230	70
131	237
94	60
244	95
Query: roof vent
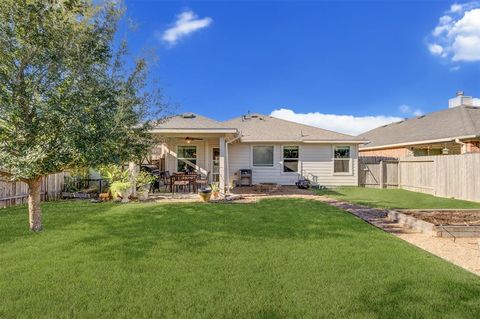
188	116
250	116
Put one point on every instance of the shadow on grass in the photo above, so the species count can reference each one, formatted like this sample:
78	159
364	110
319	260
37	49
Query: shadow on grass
136	229
55	216
408	298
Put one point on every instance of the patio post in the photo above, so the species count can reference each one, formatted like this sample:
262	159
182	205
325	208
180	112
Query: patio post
222	165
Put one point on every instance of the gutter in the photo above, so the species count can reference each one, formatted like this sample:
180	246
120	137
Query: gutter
307	141
463	145
193	130
441	140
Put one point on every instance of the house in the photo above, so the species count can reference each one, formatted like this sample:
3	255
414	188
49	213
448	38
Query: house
455	130
275	150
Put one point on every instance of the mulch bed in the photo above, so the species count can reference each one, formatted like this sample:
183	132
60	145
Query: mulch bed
453	217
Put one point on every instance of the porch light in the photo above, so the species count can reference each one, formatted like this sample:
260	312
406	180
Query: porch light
188	140
445	151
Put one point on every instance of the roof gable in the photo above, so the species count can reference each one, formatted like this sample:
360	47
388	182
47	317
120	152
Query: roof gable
449	123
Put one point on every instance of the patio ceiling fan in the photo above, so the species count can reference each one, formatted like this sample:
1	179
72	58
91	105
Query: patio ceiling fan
189	140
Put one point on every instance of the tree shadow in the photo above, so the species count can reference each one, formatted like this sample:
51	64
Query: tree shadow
57	215
408	298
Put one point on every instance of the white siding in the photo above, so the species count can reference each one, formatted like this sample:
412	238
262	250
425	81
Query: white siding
315	159
171	154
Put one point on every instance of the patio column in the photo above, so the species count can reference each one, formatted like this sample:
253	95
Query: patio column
222	165
134	170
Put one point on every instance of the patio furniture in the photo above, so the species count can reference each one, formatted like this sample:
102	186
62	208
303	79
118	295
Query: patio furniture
245	177
166	180
181	181
202	181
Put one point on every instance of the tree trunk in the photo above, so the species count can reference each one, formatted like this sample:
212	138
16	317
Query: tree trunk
34	211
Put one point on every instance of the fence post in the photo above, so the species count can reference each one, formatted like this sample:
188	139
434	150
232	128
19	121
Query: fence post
382	174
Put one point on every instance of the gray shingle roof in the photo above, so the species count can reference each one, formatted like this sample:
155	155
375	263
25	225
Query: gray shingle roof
258	127
190	121
449	123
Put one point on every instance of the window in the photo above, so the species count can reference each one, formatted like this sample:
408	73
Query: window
262	155
186	154
290	159
341	161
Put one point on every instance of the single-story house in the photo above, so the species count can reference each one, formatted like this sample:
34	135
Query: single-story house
455	130
275	150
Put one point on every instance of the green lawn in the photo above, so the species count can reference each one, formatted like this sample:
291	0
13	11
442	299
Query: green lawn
273	259
394	198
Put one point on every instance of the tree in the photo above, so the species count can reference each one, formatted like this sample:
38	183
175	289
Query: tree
67	97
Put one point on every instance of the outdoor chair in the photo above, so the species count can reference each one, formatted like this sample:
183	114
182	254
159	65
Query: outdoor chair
201	181
166	179
180	181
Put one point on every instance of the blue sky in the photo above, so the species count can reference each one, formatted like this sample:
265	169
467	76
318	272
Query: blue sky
373	61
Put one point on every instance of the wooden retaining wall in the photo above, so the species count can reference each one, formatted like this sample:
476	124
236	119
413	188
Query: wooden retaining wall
16	193
453	176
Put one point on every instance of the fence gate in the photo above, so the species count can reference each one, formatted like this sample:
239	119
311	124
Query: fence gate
378	172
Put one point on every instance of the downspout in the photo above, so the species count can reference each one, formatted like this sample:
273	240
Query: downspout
463	146
227	168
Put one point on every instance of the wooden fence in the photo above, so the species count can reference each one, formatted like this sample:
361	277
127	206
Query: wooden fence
456	176
378	172
16	193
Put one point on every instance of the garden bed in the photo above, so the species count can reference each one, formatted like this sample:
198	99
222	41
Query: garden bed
469	217
441	223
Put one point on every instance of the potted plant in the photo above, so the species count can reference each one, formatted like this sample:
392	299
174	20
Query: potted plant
205	193
143	181
215	190
122	190
118	179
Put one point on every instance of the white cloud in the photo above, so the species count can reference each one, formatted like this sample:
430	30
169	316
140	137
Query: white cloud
347	124
186	23
455	68
457	34
410	111
435	49
456	7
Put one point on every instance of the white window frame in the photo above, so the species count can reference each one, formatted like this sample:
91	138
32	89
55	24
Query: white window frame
298	160
177	157
262	166
350	163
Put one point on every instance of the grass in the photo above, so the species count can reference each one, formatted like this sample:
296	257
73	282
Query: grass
273	259
395	198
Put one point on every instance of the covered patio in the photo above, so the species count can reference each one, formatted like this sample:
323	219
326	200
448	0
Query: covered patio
192	151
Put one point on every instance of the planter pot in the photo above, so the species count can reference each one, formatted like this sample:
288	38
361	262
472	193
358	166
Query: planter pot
104	196
124	195
142	195
205	194
205	197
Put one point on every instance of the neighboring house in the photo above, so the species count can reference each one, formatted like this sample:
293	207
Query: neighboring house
455	130
277	151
